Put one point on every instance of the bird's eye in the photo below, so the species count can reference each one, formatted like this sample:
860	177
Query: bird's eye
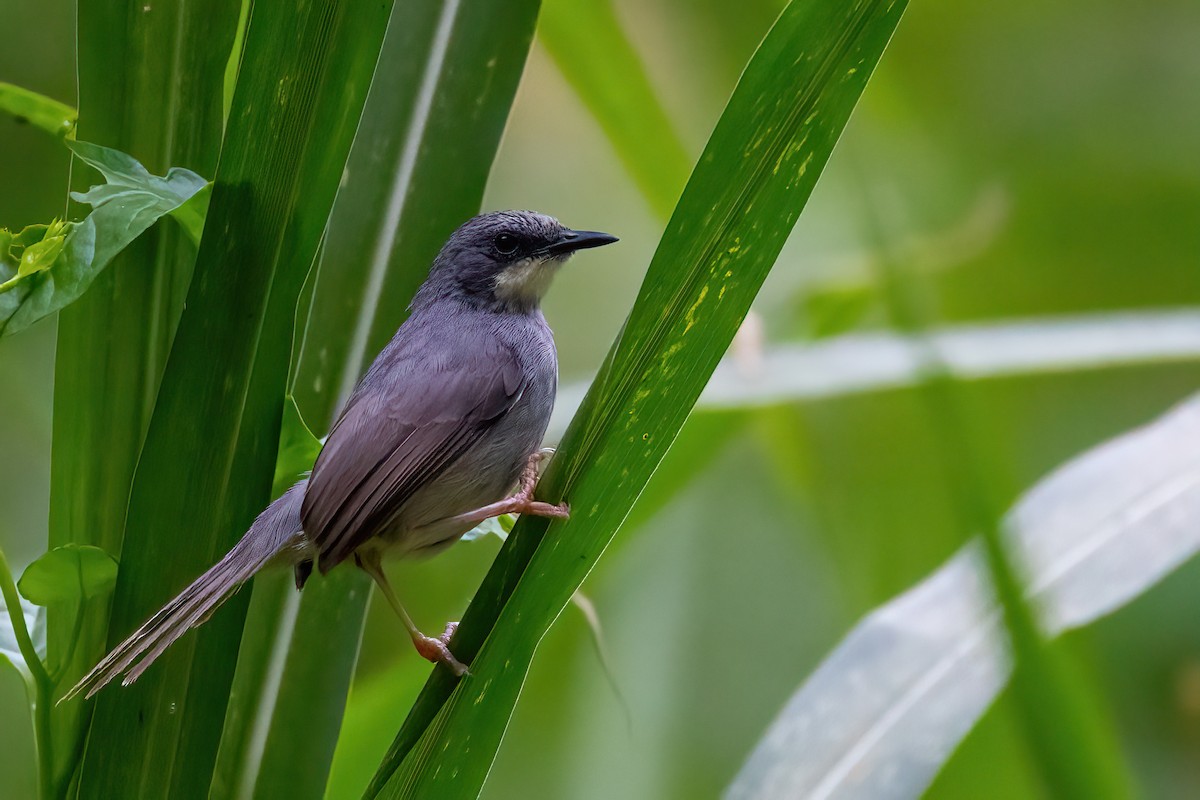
506	244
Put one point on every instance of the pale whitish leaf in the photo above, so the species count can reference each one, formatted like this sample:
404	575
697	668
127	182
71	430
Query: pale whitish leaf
868	362
886	709
10	651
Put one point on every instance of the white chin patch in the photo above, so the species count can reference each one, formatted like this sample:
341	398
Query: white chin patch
526	281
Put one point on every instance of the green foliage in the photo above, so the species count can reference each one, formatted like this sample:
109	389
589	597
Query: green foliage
803	491
418	168
50	266
298	449
757	171
38	110
269	206
589	45
71	575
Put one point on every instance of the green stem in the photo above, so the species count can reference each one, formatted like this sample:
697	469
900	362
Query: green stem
43	687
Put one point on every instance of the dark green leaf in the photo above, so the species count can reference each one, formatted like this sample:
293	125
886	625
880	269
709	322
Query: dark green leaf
205	469
70	574
149	84
755	176
38	110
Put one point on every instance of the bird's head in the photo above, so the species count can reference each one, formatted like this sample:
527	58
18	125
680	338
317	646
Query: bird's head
505	259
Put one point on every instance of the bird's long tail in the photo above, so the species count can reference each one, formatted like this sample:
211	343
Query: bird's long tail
275	535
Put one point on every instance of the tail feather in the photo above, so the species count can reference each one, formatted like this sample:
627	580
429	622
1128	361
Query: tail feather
276	535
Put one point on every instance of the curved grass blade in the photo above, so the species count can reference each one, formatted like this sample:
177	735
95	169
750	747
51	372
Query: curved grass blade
206	466
446	78
587	43
755	176
887	708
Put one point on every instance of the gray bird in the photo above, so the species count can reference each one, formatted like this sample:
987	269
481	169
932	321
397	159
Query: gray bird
448	419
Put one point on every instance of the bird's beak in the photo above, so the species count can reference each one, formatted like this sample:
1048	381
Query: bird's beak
570	241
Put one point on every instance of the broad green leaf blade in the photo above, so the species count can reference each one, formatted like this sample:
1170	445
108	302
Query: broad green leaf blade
887	708
130	202
205	469
587	43
447	76
71	574
38	110
755	176
147	86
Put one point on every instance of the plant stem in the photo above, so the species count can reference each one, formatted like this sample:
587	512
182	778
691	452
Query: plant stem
42	687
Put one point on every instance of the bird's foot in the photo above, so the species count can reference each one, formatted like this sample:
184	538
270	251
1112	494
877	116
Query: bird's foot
540	509
523	502
438	650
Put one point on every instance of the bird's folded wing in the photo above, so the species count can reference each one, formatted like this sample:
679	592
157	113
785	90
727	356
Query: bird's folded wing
396	435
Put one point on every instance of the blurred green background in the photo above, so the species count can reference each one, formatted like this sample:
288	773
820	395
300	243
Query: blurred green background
1025	159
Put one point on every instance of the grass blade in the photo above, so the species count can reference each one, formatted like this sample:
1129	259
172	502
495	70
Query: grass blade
587	43
755	176
1092	536
147	86
38	110
418	168
290	126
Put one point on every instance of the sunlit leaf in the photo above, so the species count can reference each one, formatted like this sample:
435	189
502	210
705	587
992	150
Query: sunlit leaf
886	709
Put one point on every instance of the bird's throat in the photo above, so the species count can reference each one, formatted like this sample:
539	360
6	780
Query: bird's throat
521	286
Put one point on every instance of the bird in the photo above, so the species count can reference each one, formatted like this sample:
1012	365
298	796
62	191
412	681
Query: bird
442	432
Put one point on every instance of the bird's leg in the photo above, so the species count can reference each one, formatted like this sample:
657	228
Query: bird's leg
521	502
435	650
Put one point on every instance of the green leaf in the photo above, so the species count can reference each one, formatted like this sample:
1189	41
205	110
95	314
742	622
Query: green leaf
298	449
586	41
499	527
219	406
747	190
937	656
58	269
418	168
70	574
38	110
34	249
149	83
191	214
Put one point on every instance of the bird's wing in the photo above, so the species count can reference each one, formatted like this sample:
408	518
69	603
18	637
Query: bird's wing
393	439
